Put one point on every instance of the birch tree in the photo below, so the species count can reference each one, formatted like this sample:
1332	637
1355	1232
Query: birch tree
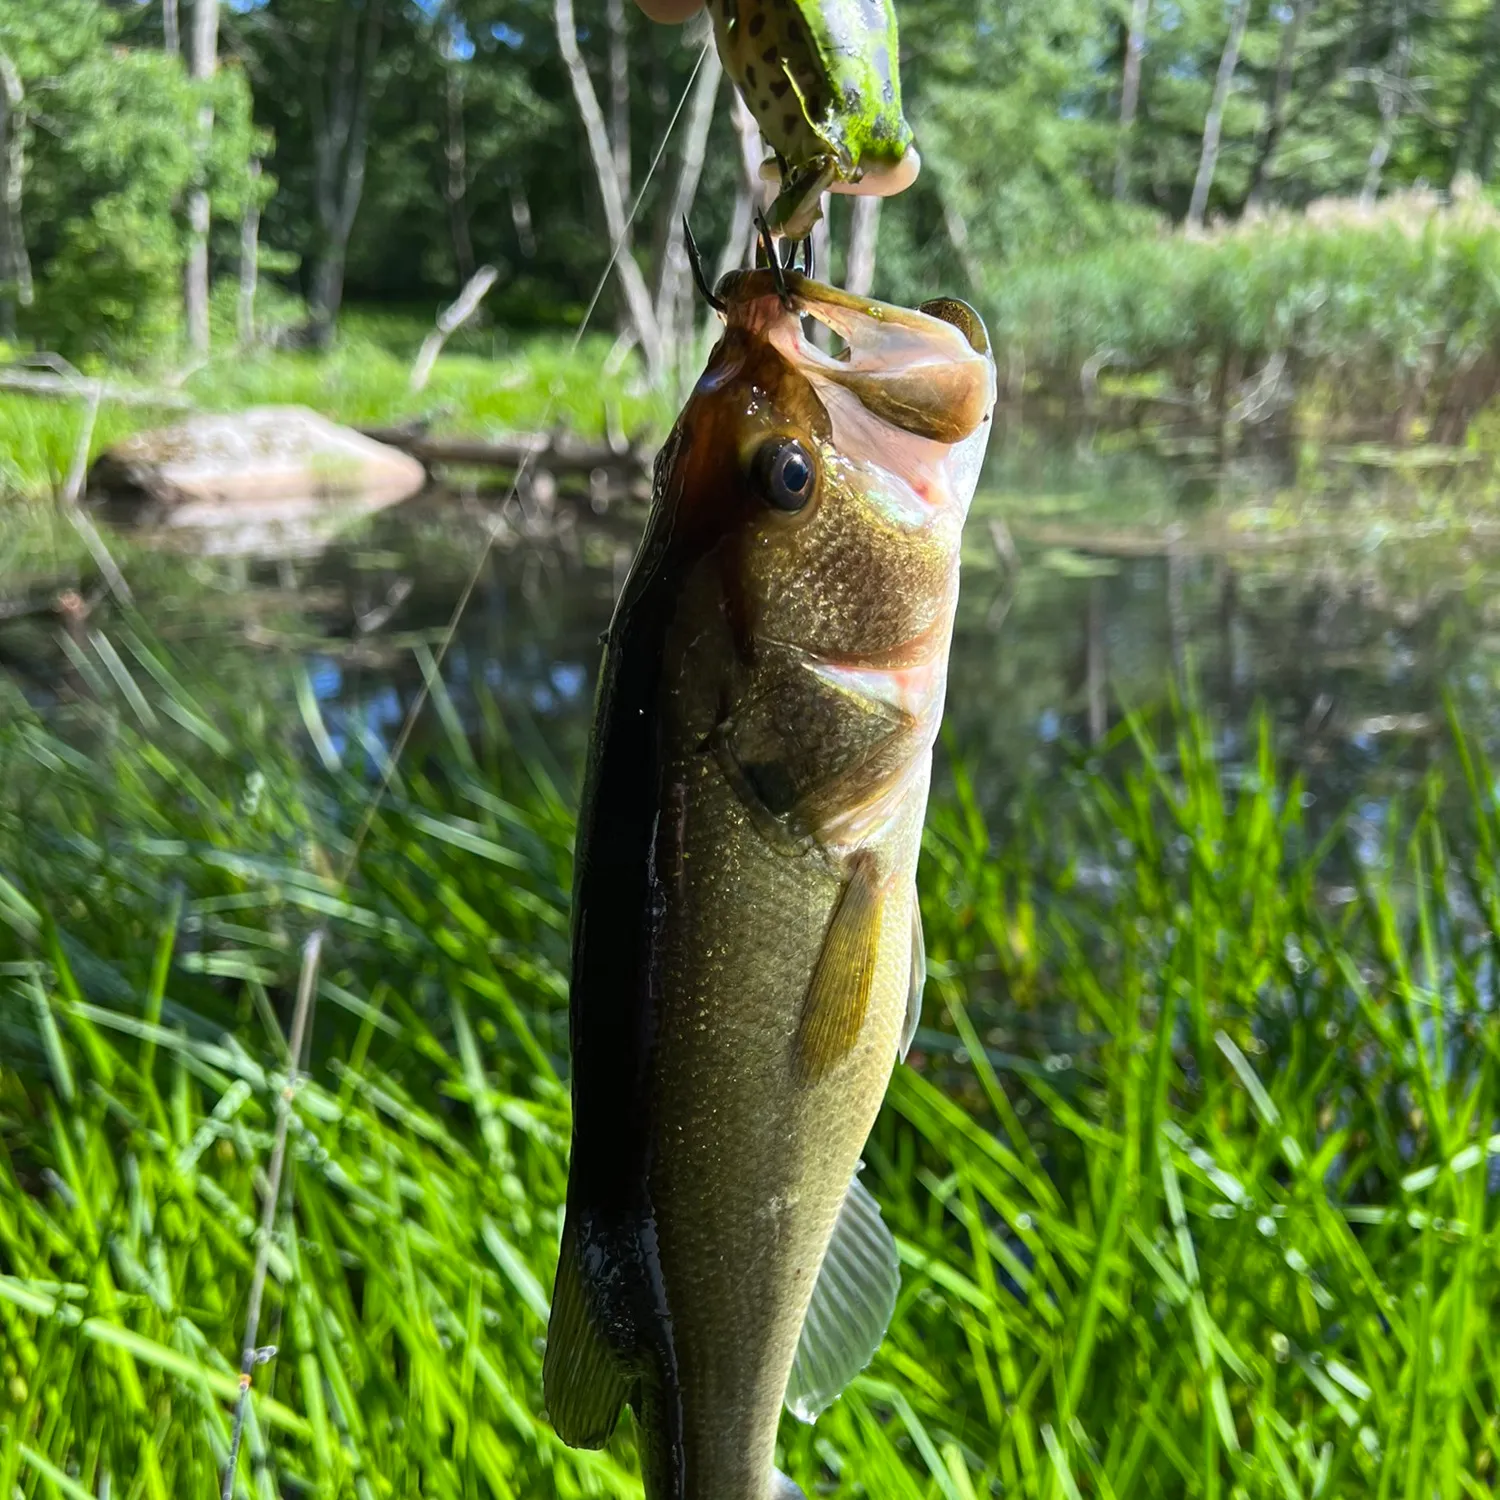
638	301
1213	125
205	62
16	289
1130	90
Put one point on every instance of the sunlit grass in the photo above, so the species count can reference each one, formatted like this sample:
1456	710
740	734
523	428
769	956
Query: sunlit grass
1190	1177
492	384
1381	321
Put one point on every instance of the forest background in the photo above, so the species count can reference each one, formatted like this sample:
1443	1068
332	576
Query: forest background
299	156
1194	1166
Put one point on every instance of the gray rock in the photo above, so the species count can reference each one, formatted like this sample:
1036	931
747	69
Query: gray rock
270	464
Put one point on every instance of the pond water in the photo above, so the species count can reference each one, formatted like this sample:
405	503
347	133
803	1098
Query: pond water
1095	581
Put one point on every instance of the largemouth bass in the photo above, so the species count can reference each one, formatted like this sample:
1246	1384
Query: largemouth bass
747	953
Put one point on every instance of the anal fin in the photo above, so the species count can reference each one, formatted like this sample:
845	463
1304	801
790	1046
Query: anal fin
851	1307
838	996
582	1380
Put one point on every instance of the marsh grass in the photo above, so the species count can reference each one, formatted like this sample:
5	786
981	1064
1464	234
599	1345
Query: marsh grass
1191	1173
1375	321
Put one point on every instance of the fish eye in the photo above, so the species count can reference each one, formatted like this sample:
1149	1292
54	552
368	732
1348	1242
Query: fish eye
786	474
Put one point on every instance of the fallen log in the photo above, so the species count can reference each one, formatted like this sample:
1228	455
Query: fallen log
81	388
557	454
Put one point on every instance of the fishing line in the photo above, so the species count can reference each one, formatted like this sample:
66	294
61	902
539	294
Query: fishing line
388	772
252	1355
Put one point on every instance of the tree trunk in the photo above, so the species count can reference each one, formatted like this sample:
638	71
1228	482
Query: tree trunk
619	94
341	124
1281	95
1213	124
601	155
457	188
1478	130
1130	91
249	260
170	33
864	234
695	130
205	62
1390	92
958	236
520	218
15	264
739	245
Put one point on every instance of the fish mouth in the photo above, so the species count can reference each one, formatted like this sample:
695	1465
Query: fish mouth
927	370
911	387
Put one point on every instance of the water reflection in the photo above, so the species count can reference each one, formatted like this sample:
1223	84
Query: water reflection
1080	601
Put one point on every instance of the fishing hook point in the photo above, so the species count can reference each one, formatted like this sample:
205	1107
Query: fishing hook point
773	261
695	263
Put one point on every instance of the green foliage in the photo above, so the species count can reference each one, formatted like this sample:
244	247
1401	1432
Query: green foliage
111	146
1189	1174
492	385
1386	316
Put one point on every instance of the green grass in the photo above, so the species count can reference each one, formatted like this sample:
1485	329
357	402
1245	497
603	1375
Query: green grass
1190	1173
492	383
1382	321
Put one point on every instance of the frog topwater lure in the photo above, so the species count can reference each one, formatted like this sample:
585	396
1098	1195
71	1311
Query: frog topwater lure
822	78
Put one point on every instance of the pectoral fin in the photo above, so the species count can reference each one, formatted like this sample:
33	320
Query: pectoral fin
838	997
918	980
582	1380
851	1307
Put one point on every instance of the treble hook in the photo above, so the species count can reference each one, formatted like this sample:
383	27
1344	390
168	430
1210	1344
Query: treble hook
773	261
695	263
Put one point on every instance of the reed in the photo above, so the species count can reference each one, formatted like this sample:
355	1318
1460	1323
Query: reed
1379	321
1191	1170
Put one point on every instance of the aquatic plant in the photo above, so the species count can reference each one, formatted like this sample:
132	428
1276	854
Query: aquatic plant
1191	1171
1378	319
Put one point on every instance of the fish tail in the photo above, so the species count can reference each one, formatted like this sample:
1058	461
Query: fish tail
782	1488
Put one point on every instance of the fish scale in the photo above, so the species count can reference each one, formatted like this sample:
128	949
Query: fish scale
747	958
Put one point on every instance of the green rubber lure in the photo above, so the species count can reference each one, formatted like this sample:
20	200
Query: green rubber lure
822	78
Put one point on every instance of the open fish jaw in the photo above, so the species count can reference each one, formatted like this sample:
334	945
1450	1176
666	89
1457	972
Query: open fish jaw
909	399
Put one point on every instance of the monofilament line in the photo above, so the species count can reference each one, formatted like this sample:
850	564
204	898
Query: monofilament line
408	724
251	1354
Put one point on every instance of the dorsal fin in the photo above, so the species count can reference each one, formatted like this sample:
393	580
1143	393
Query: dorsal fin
582	1380
851	1307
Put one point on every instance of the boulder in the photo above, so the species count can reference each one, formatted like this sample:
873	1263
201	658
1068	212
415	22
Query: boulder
268	465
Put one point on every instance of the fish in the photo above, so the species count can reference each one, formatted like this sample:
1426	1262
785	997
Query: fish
747	957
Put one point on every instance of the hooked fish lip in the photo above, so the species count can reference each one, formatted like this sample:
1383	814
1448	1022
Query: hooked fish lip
746	295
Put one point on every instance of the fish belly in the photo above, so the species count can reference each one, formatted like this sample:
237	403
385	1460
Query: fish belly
751	1162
